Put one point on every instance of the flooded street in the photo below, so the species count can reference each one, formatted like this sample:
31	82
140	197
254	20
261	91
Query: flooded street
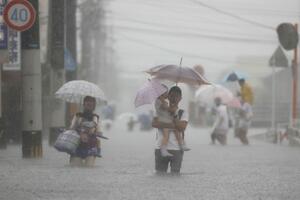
93	65
126	171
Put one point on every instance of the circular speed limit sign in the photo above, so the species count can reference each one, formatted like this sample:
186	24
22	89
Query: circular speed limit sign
19	15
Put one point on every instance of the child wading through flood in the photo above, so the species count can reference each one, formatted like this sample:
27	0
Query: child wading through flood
166	114
87	125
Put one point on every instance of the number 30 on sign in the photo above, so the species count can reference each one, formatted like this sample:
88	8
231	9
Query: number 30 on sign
19	15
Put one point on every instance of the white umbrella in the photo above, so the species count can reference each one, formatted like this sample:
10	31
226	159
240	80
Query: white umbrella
207	93
75	91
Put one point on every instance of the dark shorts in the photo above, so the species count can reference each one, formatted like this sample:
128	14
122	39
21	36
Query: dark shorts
87	149
162	163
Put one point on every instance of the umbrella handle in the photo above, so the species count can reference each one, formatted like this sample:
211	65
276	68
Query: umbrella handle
180	65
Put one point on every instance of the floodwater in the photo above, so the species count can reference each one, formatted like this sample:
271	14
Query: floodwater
126	171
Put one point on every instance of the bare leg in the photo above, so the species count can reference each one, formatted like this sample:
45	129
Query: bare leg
98	148
213	138
221	139
90	161
165	139
75	161
179	138
164	143
243	136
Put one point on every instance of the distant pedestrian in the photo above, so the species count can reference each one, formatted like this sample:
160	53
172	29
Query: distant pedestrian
221	124
130	124
244	122
246	92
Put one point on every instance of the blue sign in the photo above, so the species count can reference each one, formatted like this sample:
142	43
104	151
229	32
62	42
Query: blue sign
3	36
3	27
70	64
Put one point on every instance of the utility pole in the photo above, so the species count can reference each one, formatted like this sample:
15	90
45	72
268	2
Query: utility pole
71	48
56	44
295	83
288	37
2	128
71	30
87	21
31	90
3	58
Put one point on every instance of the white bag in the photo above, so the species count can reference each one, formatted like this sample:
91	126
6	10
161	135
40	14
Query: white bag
67	141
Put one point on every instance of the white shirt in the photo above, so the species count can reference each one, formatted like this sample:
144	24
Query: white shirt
163	115
222	119
172	143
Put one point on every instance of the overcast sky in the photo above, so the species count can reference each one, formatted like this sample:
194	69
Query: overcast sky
148	33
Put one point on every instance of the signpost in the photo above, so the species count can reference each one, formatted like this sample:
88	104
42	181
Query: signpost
21	15
14	51
3	35
56	59
278	59
3	59
288	37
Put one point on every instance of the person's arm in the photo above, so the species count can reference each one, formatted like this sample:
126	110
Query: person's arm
73	125
158	124
180	125
97	122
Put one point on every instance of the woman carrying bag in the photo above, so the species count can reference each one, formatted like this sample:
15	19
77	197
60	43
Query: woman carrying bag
87	125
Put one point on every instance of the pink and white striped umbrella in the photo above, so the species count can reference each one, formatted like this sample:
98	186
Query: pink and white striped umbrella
149	92
234	103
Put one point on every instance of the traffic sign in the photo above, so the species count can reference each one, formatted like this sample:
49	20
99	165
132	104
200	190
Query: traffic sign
19	15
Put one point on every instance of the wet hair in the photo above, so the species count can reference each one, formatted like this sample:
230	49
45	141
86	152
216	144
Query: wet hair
175	89
241	80
89	98
166	87
218	100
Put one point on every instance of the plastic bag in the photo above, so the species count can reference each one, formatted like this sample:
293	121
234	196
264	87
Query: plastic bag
67	141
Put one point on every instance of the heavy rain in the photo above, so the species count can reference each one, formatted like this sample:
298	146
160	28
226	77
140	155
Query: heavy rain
141	99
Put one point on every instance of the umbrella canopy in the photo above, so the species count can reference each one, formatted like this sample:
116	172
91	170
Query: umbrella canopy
234	76
178	74
149	92
75	91
207	93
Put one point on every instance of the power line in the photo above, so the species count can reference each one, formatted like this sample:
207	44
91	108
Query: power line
194	28
180	53
196	34
233	15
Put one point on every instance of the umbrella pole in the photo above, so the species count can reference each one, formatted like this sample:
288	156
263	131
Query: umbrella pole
180	65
